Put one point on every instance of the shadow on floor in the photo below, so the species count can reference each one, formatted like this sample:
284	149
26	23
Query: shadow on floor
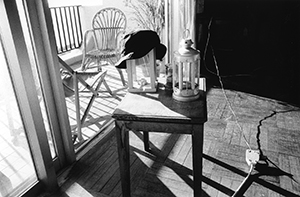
160	158
261	170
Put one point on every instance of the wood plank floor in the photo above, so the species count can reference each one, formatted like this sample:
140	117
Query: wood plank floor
267	125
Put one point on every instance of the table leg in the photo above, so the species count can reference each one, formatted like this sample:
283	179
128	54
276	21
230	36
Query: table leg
122	136
146	141
197	142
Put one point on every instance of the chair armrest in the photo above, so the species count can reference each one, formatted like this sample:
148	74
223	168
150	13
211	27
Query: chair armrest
88	73
86	39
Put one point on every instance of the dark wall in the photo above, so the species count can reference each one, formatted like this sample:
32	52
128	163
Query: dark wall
256	39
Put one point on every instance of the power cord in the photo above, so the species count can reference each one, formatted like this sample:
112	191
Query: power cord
252	156
227	99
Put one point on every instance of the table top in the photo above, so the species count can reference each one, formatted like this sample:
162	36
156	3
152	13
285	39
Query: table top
161	107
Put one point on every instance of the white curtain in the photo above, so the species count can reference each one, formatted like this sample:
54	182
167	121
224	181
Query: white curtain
187	19
181	16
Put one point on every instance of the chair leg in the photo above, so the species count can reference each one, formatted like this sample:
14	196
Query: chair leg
87	110
99	66
112	63
121	76
77	105
107	87
146	141
84	64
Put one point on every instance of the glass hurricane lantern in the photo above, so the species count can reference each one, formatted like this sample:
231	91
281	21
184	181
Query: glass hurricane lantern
186	72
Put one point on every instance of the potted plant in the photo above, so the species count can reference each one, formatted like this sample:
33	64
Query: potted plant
148	14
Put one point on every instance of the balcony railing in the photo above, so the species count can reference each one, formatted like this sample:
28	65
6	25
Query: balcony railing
67	27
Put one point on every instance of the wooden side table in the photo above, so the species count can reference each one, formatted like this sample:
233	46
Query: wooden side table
159	112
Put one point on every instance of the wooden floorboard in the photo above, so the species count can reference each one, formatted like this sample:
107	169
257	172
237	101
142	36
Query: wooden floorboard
166	171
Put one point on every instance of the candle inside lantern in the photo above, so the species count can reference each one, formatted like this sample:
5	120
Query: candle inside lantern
142	73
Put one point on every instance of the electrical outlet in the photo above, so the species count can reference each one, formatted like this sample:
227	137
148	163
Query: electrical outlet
252	156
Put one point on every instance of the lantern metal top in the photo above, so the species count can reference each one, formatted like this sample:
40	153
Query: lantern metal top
186	48
186	53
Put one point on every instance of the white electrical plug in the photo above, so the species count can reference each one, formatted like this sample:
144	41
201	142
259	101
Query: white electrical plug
252	156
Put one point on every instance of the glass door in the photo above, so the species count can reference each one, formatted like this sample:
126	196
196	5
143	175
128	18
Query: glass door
32	15
17	169
34	138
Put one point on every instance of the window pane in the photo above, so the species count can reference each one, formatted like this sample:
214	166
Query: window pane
37	81
17	171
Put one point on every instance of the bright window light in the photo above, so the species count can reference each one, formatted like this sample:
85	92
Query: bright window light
57	3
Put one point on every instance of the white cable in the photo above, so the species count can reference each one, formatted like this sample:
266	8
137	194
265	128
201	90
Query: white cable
227	100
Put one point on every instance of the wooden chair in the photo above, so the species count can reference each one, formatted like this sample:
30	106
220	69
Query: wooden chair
71	79
109	26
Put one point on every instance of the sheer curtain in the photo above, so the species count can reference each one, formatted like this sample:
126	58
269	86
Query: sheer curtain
181	16
187	19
